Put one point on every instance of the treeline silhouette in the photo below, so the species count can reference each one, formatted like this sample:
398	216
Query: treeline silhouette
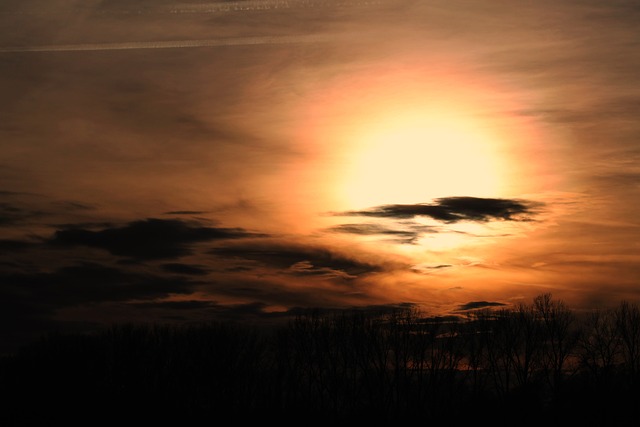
525	365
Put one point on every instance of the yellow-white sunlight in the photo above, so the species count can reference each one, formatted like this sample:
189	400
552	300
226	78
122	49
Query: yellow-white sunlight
415	156
411	134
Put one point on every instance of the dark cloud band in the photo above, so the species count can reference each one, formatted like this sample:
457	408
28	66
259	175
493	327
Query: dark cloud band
147	239
475	305
455	209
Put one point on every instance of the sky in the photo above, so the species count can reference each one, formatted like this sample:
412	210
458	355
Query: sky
175	160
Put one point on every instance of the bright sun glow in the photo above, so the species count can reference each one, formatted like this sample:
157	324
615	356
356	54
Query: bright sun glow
411	134
415	156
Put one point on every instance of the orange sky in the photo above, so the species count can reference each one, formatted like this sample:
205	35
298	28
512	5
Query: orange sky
188	160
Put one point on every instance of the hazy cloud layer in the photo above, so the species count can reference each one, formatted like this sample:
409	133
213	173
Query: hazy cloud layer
88	282
7	245
188	269
11	214
29	302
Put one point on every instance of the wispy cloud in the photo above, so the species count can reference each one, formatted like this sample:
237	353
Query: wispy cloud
297	258
409	234
11	214
474	305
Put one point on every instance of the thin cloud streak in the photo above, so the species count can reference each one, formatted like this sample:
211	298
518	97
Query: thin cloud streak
250	5
175	44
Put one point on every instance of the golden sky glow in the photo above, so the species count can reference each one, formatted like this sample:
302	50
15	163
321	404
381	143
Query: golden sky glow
412	156
238	162
384	135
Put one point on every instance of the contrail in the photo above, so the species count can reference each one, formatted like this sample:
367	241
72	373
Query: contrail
213	7
264	5
237	41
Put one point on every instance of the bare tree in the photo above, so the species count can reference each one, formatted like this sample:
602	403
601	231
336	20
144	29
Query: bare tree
627	317
514	348
477	332
600	346
559	337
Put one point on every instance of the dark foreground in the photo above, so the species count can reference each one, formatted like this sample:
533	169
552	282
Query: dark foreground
531	365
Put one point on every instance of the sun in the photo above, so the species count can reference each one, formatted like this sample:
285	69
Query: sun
416	155
411	133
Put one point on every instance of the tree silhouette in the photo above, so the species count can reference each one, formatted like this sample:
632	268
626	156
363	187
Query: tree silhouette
536	361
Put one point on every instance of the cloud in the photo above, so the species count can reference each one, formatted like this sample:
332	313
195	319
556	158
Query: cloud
189	269
176	305
194	309
620	179
147	239
11	214
403	236
12	193
31	301
440	266
88	282
38	295
9	245
430	269
217	7
172	44
373	309
185	213
408	235
306	268
474	305
619	109
297	258
74	206
455	209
